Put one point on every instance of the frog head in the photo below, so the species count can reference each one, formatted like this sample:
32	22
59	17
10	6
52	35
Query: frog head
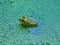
24	20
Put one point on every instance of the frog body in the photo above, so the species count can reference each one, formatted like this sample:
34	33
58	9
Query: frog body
25	21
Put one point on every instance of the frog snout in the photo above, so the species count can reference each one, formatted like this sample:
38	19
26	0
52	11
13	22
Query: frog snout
20	20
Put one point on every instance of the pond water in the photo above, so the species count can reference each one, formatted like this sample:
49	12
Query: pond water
45	12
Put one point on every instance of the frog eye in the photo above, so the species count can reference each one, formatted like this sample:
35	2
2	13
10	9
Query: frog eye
22	20
23	17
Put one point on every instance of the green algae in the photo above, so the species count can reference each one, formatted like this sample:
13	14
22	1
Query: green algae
47	43
22	28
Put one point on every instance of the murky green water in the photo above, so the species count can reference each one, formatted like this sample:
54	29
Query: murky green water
45	12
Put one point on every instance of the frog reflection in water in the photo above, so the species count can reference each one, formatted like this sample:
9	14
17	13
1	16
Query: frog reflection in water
25	21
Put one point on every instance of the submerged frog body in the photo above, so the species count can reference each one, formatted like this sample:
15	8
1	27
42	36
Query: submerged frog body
25	21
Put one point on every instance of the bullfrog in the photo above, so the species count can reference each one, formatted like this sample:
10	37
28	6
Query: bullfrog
25	21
